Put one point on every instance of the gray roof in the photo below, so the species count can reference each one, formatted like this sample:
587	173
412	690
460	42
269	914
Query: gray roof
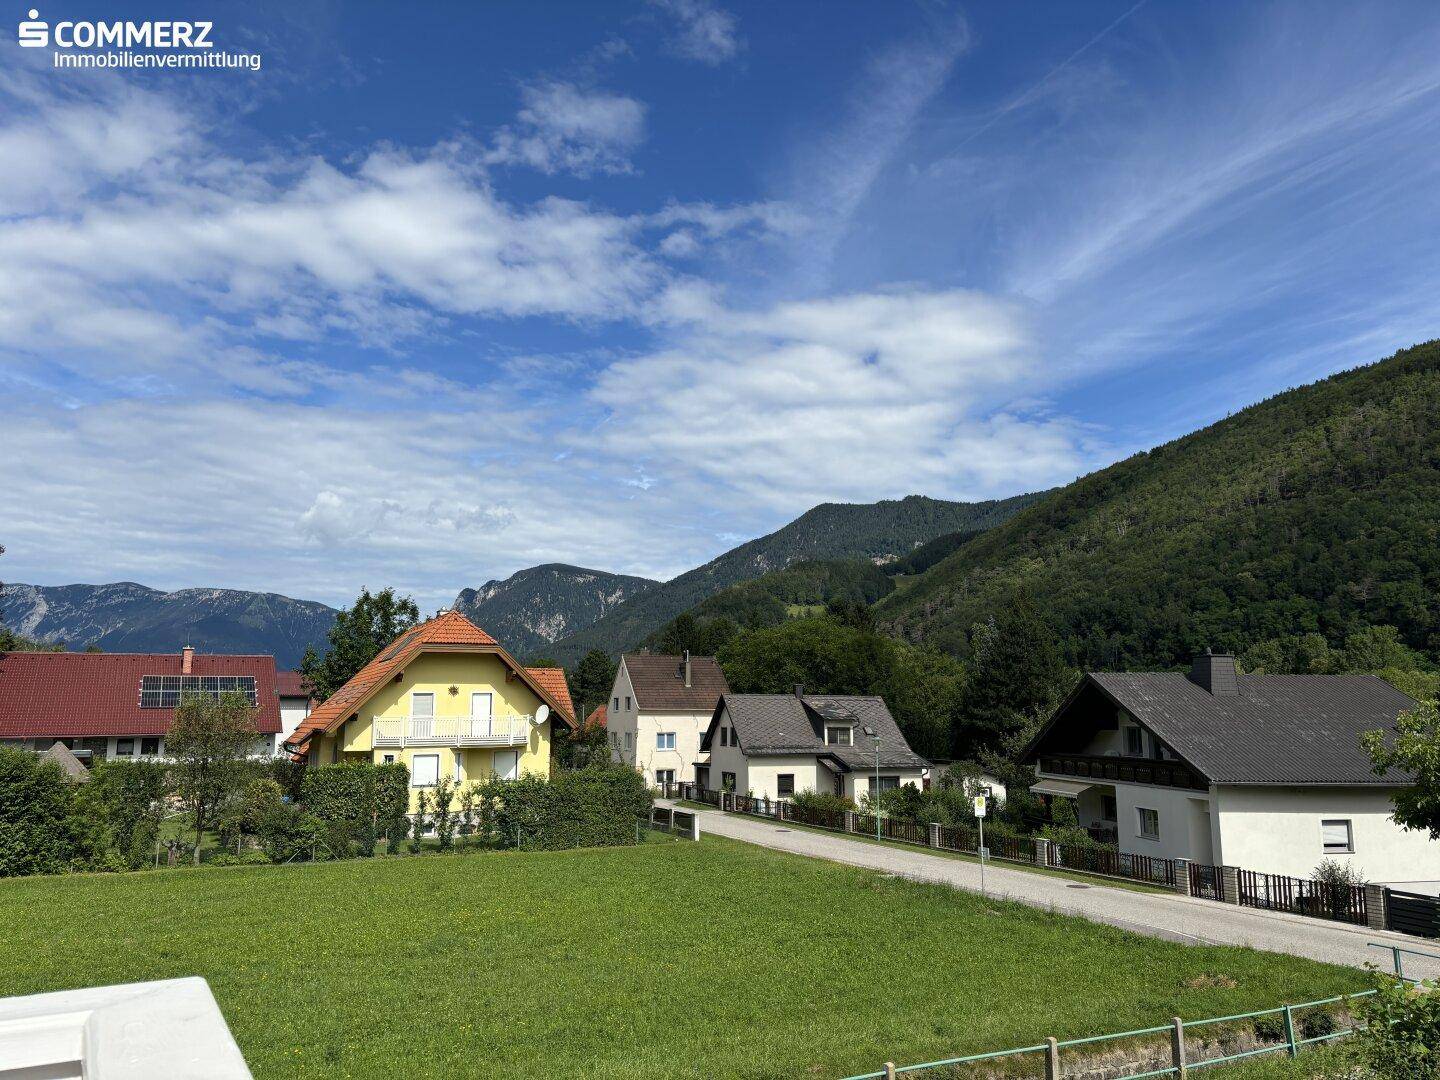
782	724
73	767
1276	729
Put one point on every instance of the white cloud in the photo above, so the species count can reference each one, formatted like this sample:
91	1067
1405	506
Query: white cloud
702	31
562	128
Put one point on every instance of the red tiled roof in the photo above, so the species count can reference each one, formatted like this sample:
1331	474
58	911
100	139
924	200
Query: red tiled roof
67	695
596	719
448	630
553	680
291	684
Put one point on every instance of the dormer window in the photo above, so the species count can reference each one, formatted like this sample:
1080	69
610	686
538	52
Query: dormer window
839	736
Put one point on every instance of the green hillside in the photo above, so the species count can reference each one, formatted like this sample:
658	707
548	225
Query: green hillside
877	531
1317	511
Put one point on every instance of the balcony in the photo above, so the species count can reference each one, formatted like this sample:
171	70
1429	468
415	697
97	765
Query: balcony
451	730
1126	770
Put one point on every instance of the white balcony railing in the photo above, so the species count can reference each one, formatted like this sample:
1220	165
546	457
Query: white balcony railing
451	730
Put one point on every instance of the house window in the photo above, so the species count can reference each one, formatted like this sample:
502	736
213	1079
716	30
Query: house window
387	759
507	764
150	747
664	740
629	739
1149	823
887	783
664	776
1337	836
785	785
459	765
627	702
840	736
724	736
1108	810
615	739
424	770
1134	742
727	781
615	704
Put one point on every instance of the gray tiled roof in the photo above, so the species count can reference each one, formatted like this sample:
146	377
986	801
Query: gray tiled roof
1278	729
659	682
779	724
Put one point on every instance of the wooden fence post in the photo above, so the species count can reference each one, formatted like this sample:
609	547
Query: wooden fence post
1177	1047
1052	1059
889	1070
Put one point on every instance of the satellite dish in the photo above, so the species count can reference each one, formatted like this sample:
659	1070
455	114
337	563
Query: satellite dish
542	714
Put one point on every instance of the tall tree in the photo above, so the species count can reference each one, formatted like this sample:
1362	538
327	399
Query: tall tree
208	744
1412	748
357	637
590	681
1018	678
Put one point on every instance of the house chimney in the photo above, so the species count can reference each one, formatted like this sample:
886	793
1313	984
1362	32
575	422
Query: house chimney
187	658
687	669
799	690
1214	673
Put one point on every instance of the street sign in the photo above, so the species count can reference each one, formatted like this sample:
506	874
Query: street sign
979	805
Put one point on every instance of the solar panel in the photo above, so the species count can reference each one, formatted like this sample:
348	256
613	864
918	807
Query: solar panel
165	691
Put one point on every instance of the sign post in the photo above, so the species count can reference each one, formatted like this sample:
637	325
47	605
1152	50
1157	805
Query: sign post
980	817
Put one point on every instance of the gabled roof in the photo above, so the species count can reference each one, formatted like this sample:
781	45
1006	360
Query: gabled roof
76	695
659	682
291	684
447	632
783	724
72	766
597	718
1291	730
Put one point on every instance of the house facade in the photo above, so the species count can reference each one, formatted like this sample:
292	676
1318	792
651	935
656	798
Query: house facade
1263	772
776	745
445	699
121	705
295	702
659	709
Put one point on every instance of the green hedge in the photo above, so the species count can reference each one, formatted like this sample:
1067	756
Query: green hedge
592	807
41	831
355	803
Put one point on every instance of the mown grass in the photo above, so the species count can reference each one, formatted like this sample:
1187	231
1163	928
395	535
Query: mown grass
665	960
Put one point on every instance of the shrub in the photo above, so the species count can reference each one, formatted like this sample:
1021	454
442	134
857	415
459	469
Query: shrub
39	831
596	806
825	802
392	803
1398	1036
342	797
443	800
127	798
287	832
422	821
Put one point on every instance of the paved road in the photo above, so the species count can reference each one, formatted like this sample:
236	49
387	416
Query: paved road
1162	915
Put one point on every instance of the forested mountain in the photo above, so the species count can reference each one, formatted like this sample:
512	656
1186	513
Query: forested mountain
533	607
880	532
803	588
1317	510
125	617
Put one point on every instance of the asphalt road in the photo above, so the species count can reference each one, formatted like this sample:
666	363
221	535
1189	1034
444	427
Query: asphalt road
1162	915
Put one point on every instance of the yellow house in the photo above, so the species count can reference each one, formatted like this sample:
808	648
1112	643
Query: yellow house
445	699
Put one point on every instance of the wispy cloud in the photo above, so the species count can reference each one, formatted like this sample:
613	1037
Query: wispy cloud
702	31
563	128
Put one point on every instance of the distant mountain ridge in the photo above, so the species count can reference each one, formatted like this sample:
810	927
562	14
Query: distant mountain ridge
125	617
532	607
881	531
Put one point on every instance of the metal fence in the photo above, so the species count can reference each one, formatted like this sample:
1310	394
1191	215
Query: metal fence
1320	899
1099	860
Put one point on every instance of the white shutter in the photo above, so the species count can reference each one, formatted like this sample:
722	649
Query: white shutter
424	770
422	705
1336	835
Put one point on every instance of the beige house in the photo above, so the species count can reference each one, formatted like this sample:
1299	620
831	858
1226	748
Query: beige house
659	708
776	745
1262	772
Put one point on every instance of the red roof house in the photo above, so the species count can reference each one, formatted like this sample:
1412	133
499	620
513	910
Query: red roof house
91	700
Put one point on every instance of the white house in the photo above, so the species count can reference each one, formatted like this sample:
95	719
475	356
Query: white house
659	708
775	745
1262	772
295	703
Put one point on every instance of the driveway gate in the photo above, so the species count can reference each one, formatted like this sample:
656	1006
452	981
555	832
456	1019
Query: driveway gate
1412	913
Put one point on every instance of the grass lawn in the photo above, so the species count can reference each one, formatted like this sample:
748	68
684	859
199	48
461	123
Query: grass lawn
665	960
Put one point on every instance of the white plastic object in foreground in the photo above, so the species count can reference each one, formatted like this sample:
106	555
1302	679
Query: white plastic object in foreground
171	1028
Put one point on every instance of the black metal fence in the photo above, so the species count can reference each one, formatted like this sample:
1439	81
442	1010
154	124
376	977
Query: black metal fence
1206	881
1412	913
1101	860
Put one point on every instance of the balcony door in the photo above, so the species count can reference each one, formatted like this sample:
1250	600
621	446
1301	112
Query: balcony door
422	715
482	709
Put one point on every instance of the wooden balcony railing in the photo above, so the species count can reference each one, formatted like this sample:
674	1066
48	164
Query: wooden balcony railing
1124	770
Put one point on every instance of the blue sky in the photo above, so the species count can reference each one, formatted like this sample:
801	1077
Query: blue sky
444	291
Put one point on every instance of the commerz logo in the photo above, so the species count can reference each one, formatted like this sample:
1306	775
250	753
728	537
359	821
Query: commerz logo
154	43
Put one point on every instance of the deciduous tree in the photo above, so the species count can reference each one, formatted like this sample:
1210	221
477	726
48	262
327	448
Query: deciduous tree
208	743
357	637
